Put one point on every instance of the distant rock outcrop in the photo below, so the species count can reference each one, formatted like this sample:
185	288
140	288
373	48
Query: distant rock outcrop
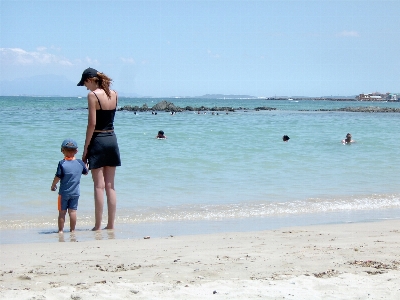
170	107
371	109
166	106
368	109
222	96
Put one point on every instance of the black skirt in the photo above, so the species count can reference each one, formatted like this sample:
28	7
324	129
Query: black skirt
103	151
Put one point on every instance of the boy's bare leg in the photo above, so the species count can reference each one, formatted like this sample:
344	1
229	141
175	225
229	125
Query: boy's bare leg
72	219
61	220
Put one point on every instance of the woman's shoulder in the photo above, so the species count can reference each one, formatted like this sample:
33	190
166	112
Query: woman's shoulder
100	93
92	96
114	92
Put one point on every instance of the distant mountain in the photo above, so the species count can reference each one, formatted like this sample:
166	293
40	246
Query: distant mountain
340	97
222	96
41	85
129	95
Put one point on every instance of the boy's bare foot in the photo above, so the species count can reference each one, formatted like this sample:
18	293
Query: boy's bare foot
60	232
95	229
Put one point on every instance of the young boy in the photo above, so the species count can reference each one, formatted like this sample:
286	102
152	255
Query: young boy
69	171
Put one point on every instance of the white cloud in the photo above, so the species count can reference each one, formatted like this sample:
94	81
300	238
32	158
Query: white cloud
213	55
346	33
18	56
65	62
93	62
55	48
129	61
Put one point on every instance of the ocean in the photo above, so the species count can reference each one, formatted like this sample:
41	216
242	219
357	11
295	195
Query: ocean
213	173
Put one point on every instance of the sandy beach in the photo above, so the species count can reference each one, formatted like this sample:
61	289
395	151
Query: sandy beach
345	261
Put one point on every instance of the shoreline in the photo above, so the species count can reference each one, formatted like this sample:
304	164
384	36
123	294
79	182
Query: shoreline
159	229
319	262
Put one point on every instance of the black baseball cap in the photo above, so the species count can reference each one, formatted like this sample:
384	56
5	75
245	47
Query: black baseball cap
88	73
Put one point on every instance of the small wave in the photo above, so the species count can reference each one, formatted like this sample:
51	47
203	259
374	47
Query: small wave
230	211
266	209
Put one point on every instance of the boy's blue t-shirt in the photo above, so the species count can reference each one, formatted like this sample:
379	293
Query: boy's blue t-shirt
70	172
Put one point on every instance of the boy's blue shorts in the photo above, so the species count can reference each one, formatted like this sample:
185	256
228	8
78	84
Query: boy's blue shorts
67	202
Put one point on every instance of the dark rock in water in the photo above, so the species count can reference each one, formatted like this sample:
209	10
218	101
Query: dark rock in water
170	107
368	109
166	106
371	109
134	108
222	109
264	108
129	108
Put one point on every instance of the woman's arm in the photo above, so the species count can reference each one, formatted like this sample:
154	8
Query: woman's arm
91	124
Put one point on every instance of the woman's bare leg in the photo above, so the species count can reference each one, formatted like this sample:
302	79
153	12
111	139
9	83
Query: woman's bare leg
99	185
109	176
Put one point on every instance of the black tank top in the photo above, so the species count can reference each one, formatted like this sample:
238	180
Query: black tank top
105	118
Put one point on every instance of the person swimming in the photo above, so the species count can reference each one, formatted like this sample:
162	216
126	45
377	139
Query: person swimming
348	139
161	135
285	138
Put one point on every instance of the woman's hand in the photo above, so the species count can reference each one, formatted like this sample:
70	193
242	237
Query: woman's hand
84	157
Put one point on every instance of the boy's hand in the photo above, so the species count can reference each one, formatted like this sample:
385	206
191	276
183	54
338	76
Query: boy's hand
53	188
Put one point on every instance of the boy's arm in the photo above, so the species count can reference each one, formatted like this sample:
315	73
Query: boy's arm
54	184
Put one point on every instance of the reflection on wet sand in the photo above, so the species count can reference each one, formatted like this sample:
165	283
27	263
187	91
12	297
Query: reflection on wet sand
107	234
61	237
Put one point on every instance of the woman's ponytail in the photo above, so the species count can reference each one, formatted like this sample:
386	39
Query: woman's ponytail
104	83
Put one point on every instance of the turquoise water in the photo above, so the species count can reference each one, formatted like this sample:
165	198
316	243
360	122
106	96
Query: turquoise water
213	173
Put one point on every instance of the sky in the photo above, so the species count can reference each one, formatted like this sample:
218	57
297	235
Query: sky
190	48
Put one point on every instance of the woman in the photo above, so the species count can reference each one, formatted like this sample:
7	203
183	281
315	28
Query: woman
101	150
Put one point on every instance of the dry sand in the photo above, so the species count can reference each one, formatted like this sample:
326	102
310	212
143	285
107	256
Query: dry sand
346	261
